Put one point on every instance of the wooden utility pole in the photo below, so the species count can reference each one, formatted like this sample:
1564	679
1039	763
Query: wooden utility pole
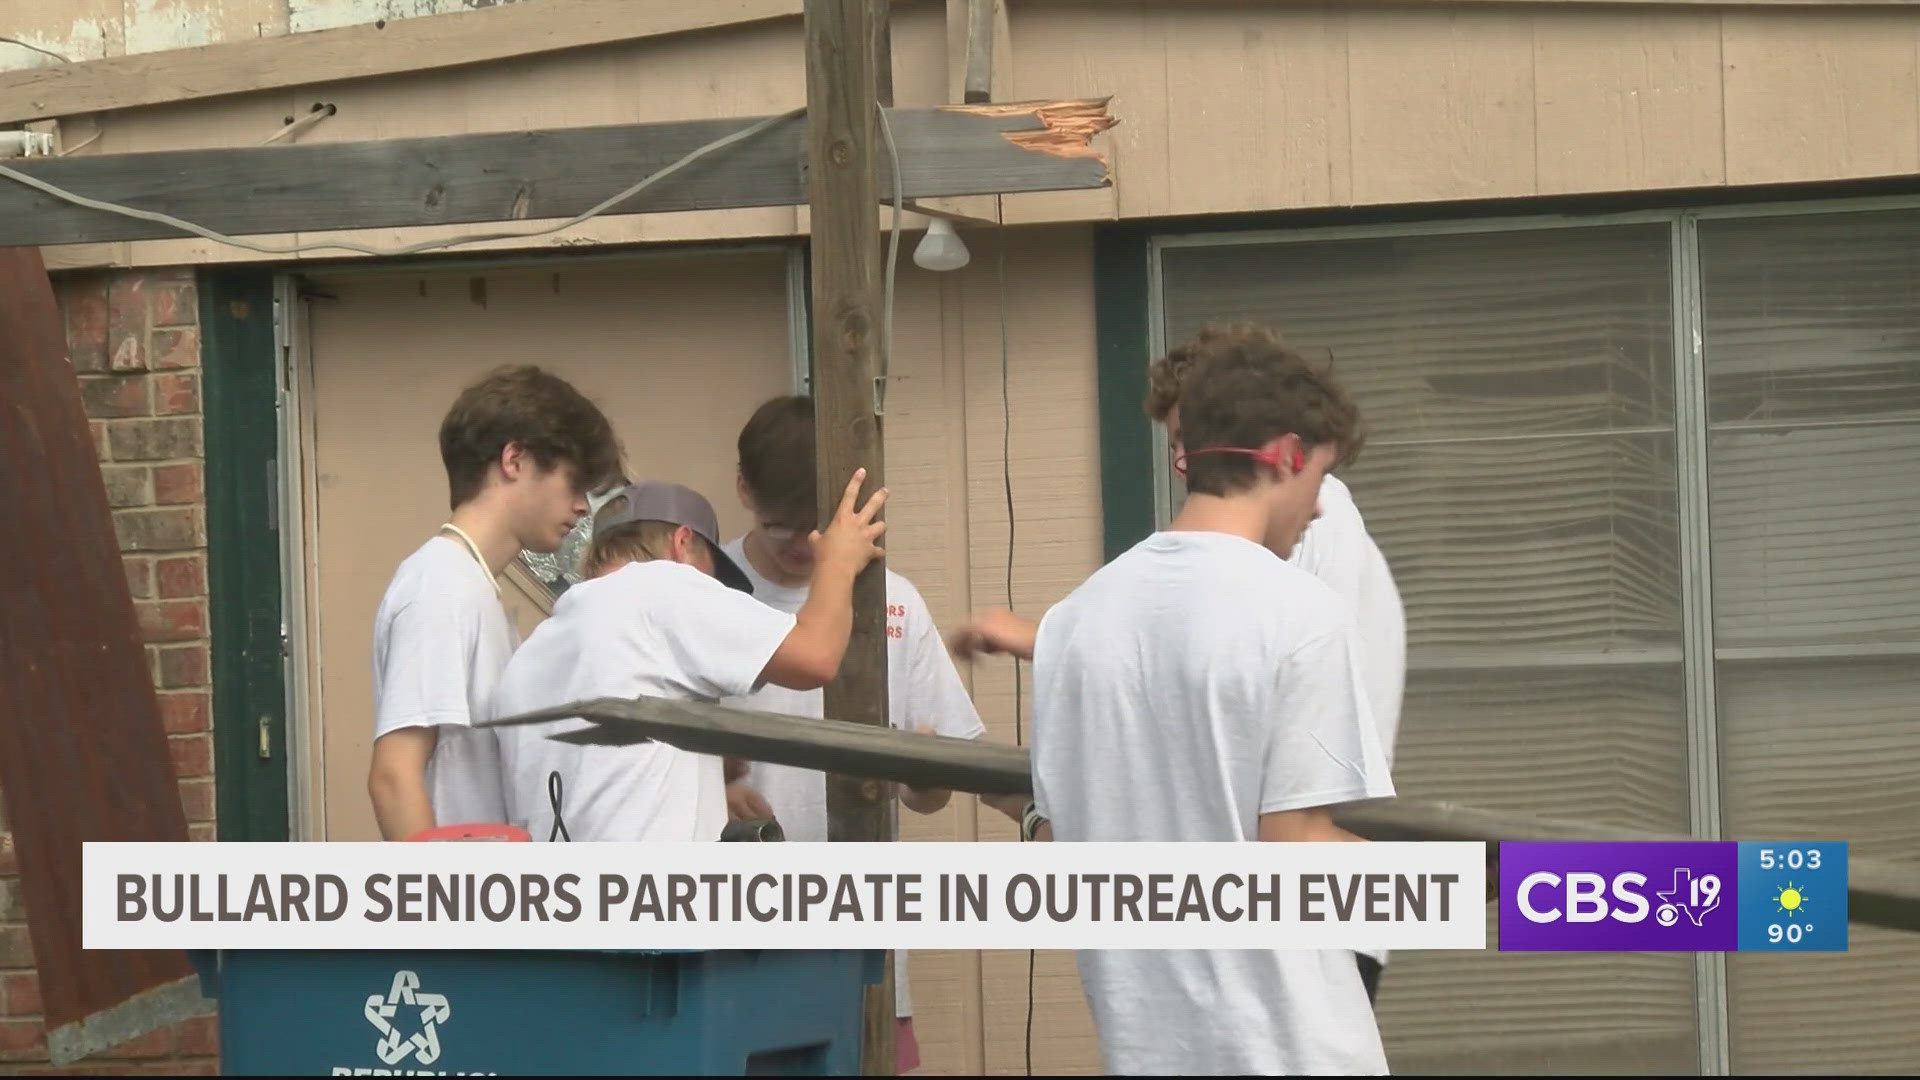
842	98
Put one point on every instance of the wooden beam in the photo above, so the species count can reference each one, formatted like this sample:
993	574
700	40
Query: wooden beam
356	52
833	746
83	755
507	176
1879	893
844	58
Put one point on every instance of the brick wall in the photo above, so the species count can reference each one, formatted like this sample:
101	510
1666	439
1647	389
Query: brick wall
134	340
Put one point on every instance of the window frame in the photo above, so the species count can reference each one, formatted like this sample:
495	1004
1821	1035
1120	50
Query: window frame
1137	483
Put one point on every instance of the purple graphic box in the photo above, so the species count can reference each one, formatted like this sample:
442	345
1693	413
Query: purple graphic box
1597	897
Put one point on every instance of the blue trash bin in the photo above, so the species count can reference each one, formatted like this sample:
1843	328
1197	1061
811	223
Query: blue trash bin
732	1013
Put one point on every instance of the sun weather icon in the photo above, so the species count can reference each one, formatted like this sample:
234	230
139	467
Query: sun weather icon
1791	900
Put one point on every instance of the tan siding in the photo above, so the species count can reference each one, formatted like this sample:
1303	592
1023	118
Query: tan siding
1241	108
1628	101
1442	104
1811	96
947	529
1264	99
1055	470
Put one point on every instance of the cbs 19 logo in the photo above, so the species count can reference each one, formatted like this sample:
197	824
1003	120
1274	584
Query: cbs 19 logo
1585	897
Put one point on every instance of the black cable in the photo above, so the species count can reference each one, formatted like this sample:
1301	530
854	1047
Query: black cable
554	790
1006	477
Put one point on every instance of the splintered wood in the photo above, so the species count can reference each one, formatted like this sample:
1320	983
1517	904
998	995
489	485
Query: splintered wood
1067	130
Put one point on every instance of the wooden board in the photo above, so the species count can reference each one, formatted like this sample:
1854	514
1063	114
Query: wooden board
555	173
352	52
832	746
1879	893
83	755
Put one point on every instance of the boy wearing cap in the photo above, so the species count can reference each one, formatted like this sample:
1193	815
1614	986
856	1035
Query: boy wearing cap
522	449
664	613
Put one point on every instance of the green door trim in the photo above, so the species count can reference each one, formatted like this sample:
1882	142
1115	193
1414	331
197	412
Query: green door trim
1122	342
240	394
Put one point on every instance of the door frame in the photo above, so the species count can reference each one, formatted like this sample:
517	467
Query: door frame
240	375
295	538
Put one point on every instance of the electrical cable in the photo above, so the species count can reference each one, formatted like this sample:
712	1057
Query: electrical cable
596	210
554	792
1006	478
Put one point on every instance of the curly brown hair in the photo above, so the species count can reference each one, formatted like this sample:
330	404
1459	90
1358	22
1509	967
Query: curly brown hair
1163	381
1238	386
540	411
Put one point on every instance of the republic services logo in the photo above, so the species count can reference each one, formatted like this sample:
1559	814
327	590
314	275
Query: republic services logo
396	1045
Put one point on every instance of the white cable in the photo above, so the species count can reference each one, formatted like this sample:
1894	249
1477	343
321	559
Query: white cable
295	127
36	48
86	142
893	251
410	249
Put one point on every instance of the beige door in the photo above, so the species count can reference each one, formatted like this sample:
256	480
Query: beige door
678	349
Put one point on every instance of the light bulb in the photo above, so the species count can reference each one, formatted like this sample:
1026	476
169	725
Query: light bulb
941	248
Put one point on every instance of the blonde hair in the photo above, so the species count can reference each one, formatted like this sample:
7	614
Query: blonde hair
636	541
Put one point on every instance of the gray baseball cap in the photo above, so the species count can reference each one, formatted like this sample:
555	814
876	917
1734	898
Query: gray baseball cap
675	504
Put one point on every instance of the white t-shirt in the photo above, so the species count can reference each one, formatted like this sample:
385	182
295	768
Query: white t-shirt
1337	550
923	690
440	641
1193	684
662	629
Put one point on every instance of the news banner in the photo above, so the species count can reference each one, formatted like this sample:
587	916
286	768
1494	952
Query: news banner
1552	897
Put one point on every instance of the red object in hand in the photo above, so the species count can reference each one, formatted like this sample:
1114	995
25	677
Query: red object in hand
511	833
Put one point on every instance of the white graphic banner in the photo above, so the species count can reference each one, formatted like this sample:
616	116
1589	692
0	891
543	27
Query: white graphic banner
784	896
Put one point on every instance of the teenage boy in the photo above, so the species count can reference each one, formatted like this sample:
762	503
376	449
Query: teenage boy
522	449
1336	549
664	613
1202	688
777	487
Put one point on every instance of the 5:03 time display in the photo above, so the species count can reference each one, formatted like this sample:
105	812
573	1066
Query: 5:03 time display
1790	859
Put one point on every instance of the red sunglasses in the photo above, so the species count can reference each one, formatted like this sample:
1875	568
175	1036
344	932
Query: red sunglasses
1268	456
